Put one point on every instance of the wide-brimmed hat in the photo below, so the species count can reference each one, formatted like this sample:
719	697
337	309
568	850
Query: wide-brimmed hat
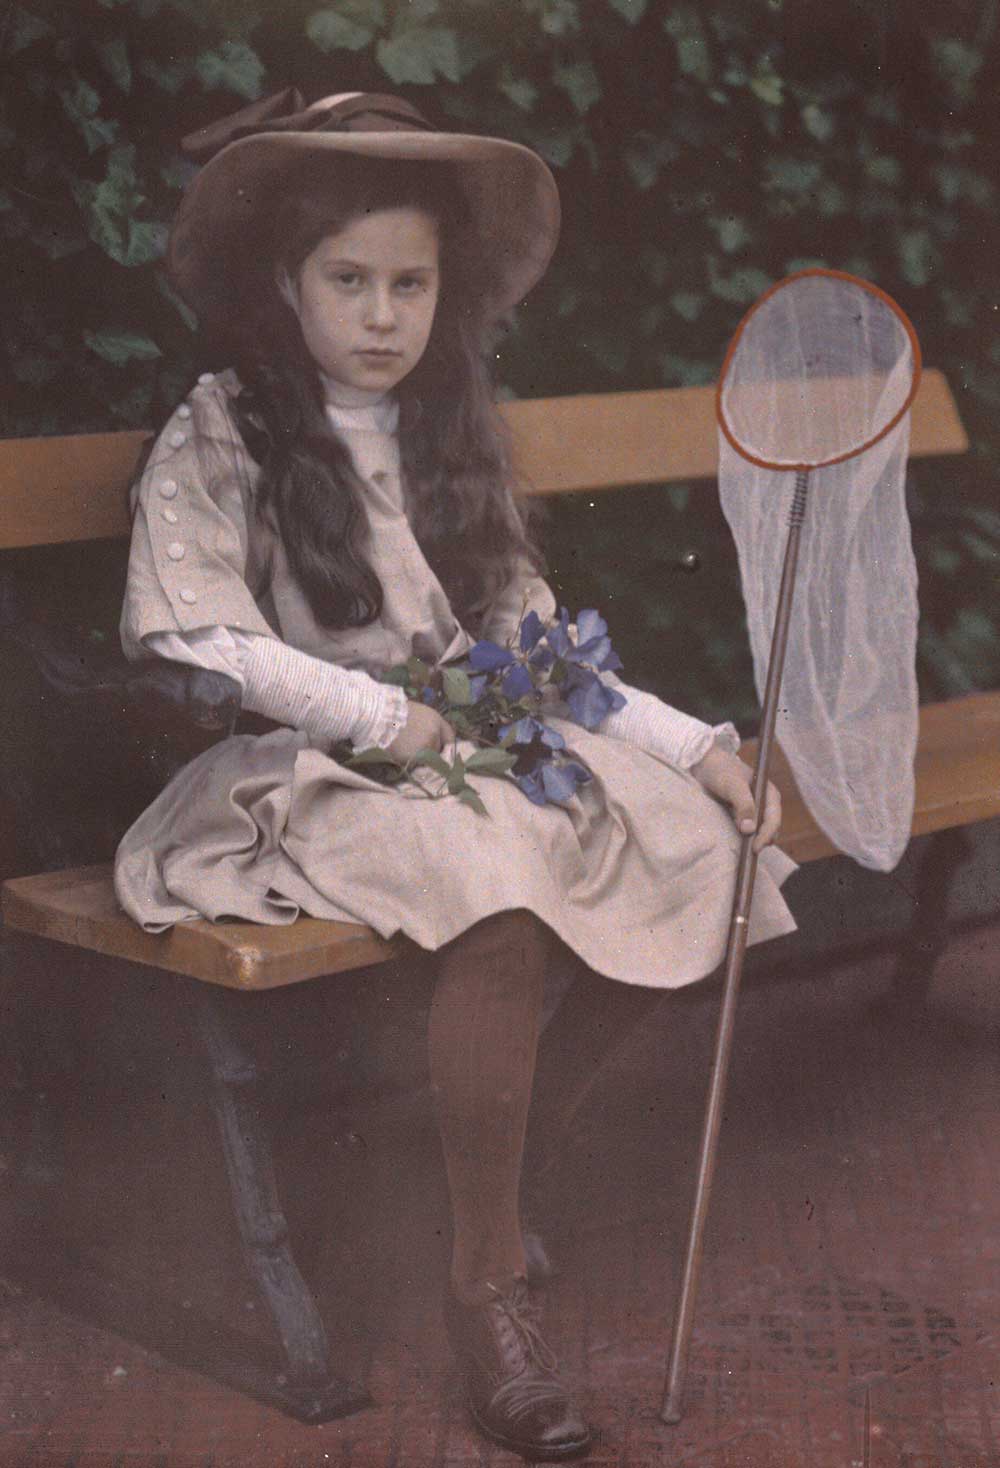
251	155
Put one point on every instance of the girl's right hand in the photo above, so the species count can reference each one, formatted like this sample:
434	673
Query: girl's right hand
424	729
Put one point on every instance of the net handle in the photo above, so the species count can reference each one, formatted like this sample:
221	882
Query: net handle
873	290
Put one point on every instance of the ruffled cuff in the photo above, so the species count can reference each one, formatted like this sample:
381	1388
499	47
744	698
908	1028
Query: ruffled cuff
712	736
386	720
672	736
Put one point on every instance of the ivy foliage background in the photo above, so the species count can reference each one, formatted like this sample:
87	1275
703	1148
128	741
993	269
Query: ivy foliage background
703	149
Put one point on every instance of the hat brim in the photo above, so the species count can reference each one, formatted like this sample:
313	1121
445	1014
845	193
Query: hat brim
510	189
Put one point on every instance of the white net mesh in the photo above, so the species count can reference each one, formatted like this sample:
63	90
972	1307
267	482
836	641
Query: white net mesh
809	381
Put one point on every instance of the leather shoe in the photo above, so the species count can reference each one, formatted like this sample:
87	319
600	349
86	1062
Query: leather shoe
511	1377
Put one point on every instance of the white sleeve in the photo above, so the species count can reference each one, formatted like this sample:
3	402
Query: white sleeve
291	687
653	726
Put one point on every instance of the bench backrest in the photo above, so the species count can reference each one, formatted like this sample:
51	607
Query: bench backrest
54	490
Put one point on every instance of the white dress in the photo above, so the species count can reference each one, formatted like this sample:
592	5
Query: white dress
636	874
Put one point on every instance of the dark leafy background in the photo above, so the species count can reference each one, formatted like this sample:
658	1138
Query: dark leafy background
702	151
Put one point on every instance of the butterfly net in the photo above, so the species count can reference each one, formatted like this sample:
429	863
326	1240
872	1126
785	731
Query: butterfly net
820	376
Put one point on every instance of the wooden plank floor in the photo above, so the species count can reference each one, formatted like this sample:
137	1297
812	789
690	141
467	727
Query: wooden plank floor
852	1247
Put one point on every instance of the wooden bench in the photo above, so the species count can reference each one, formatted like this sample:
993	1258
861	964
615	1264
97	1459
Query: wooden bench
62	490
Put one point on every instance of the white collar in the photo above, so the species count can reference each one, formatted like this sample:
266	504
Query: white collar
355	408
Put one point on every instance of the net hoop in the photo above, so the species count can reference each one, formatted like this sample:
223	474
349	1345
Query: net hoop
872	290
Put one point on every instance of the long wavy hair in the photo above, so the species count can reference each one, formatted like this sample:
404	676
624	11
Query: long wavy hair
453	444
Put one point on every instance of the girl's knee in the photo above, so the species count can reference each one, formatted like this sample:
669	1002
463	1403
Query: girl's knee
513	945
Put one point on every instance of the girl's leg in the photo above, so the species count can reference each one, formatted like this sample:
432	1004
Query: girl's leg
483	1035
482	1038
591	1026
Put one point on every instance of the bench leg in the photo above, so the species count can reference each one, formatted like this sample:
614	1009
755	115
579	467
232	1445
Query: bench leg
308	1390
928	933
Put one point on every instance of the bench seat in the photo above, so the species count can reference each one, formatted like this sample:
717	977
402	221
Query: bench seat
958	782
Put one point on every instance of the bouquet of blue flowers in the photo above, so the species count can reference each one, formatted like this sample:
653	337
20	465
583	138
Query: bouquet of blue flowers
496	698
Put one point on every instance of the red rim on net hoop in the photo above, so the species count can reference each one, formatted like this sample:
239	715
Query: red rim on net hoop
813	402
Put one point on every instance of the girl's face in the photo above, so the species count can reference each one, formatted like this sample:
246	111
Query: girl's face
365	297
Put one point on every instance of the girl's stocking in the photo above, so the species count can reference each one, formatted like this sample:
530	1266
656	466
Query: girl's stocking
591	1026
482	1038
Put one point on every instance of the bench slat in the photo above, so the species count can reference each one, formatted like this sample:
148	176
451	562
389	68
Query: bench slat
958	781
74	489
605	440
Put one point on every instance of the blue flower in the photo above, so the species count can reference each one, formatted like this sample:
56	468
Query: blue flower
489	657
593	645
588	699
516	682
560	781
553	783
531	786
532	631
526	730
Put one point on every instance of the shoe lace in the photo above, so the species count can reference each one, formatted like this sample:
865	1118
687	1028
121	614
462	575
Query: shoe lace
524	1314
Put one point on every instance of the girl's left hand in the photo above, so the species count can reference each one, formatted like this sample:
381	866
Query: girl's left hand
728	778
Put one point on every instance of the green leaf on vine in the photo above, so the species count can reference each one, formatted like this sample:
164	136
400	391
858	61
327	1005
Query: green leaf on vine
420	56
119	347
233	67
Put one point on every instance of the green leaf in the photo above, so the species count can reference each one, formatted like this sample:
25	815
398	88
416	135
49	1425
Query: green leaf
113	55
557	17
418	672
556	145
517	89
147	241
469	797
420	56
685	371
579	81
177	173
688	304
955	183
362	757
884	169
958	64
490	762
331	30
793	175
233	67
107	205
119	347
768	87
456	775
818	122
918	256
645	155
732	232
397	677
80	105
685	26
741	287
23	29
457	689
433	760
630	10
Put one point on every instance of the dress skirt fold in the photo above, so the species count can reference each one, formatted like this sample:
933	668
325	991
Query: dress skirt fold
636	874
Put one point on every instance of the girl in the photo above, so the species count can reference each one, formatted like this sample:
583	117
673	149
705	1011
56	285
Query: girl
336	501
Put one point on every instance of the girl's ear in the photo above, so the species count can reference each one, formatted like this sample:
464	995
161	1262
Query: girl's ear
287	289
